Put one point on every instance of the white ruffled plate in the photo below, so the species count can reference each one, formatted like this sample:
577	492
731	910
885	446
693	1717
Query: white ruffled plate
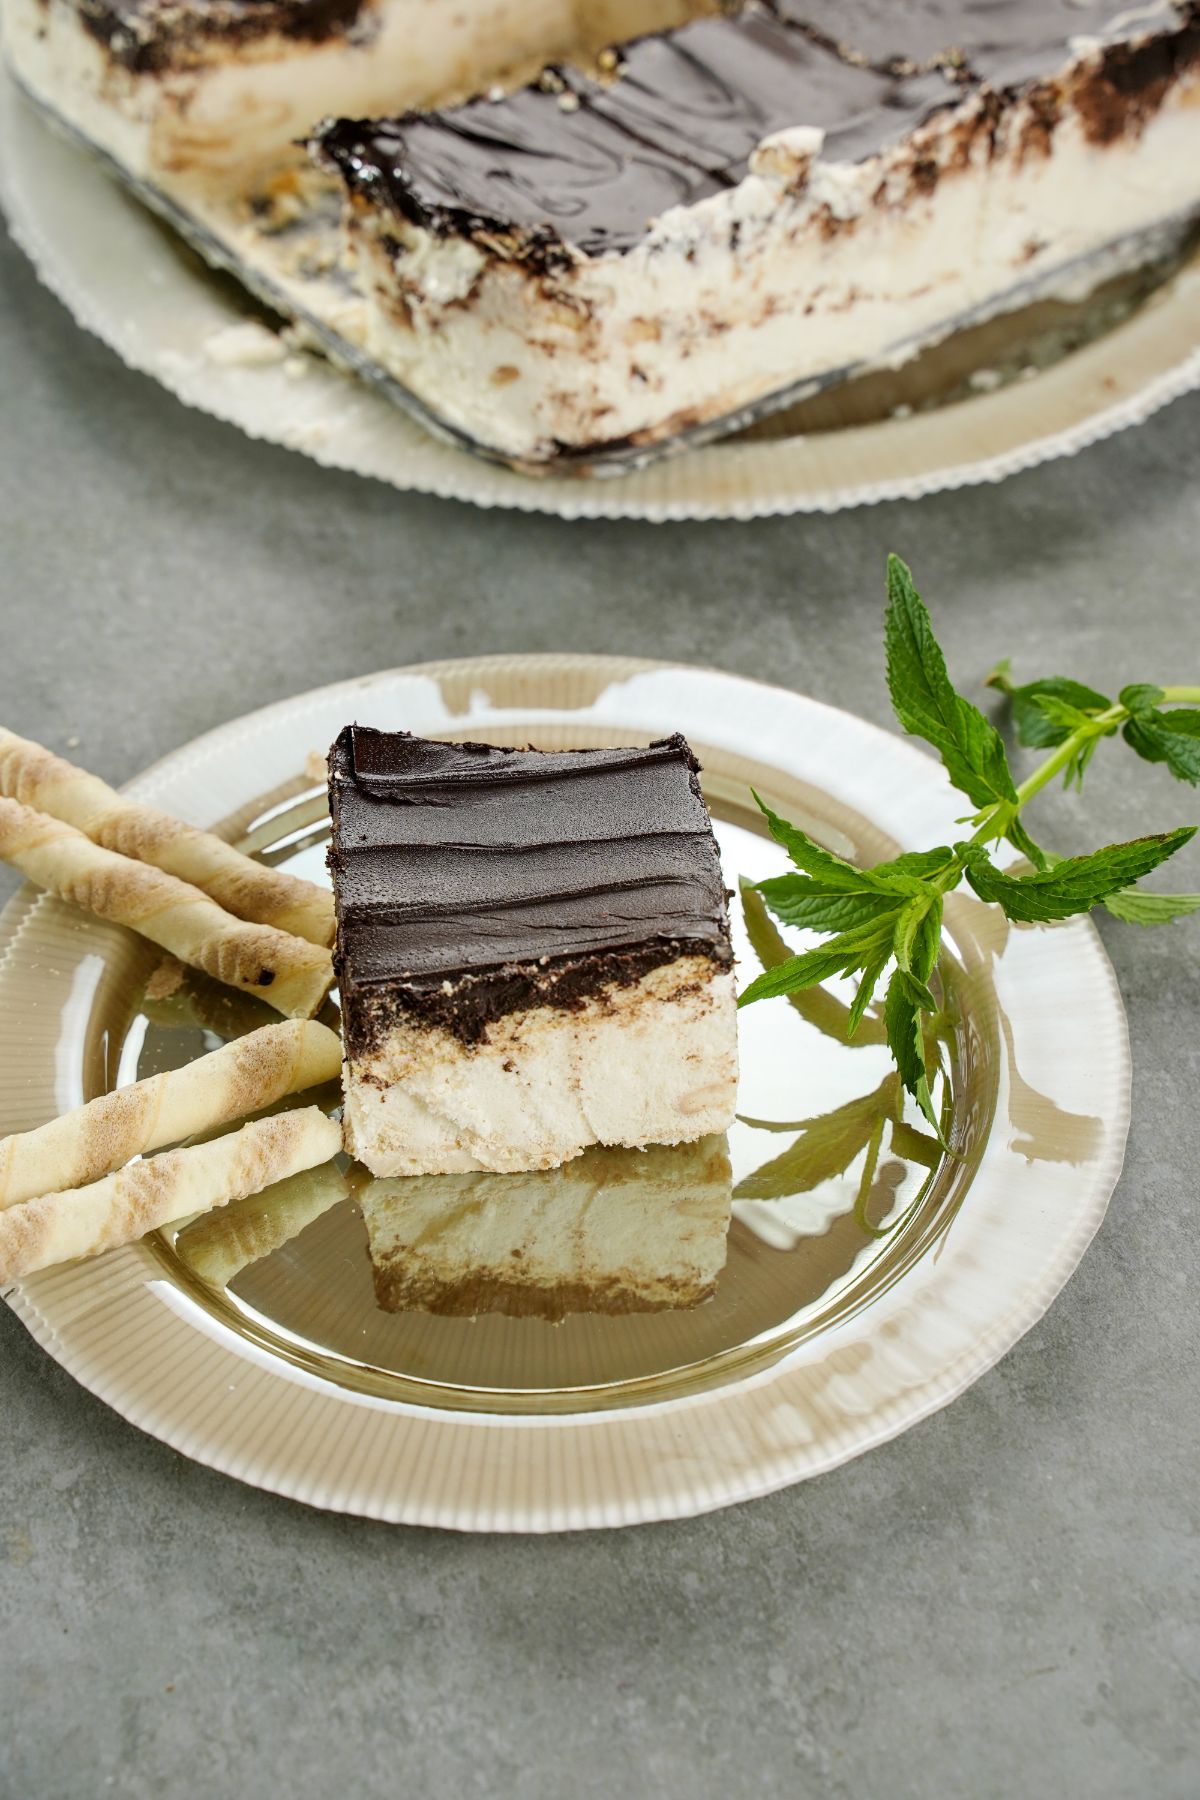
822	1339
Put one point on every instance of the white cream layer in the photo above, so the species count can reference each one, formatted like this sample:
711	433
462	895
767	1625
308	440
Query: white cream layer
651	1063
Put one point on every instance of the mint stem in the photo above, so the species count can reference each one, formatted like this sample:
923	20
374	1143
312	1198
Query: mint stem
996	820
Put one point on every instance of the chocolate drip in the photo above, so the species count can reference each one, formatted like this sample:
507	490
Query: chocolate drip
472	880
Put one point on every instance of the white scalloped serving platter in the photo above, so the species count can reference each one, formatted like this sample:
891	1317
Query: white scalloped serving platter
1052	1143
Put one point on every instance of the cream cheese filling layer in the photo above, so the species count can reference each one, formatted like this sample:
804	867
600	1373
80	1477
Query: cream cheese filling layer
651	1063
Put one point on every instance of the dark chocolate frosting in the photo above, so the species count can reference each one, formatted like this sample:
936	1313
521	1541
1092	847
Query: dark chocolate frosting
520	163
591	163
1001	42
471	880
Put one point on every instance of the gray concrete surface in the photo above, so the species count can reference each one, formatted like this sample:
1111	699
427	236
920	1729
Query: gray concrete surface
1001	1603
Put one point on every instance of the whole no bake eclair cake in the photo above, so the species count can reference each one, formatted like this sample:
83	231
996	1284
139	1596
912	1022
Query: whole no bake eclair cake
743	205
532	952
654	241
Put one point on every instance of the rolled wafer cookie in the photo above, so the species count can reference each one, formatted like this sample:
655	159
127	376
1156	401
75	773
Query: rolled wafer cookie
98	1138
123	1207
49	784
290	973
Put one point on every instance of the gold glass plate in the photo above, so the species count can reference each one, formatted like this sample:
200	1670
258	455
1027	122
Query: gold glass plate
866	1278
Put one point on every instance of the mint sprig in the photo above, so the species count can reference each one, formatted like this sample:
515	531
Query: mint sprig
889	916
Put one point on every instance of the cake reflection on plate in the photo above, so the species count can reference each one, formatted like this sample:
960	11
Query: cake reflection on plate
612	1231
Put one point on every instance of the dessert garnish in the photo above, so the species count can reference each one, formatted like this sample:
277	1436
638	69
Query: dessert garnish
889	917
145	1195
240	1078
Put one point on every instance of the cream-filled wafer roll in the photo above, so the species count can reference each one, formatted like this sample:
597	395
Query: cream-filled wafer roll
49	784
290	973
123	1207
98	1138
221	1244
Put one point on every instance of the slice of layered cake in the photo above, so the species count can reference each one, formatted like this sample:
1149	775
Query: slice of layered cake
615	1231
532	952
747	208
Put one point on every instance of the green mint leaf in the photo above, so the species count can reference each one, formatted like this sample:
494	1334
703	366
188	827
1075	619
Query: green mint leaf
1136	907
799	900
1076	769
1034	727
822	1010
847	951
866	988
1062	717
926	703
927	942
1184	721
904	874
834	872
789	977
917	937
1169	737
1074	885
912	872
906	1040
921	996
1140	696
825	1147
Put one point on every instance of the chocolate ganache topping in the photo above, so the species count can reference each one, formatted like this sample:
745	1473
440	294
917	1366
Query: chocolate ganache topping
472	880
592	162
